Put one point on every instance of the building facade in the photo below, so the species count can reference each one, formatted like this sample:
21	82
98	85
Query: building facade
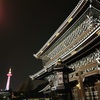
77	44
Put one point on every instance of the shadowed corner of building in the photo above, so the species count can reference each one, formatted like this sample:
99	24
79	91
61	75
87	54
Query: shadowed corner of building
29	89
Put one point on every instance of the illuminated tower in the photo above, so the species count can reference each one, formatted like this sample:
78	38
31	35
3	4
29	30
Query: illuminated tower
8	80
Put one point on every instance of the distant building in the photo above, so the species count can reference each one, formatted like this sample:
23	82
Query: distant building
8	80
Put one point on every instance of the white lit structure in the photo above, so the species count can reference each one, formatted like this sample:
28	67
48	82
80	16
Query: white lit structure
8	80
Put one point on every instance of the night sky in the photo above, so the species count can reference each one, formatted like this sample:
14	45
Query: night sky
25	26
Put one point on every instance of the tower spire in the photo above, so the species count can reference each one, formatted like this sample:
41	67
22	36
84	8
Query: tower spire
8	80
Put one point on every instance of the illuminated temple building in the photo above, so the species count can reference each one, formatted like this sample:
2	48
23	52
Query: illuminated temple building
76	45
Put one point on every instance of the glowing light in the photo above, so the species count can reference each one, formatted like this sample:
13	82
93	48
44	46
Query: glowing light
78	85
48	44
98	32
57	34
74	52
70	20
8	80
2	11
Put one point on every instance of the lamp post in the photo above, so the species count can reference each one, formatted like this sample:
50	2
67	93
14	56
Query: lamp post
60	88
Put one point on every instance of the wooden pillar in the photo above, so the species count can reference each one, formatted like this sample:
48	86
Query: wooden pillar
81	86
97	84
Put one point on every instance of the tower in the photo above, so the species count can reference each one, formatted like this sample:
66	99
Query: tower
8	80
